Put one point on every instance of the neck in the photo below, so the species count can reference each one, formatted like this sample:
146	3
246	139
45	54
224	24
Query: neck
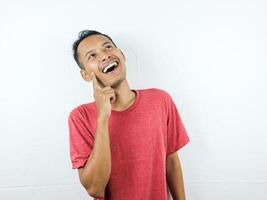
124	97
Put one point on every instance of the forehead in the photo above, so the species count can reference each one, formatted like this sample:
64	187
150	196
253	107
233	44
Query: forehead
91	42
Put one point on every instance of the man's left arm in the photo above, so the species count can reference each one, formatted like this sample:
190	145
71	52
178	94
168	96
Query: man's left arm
174	177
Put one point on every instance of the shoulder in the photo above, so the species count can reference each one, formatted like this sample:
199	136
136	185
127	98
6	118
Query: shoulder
157	93
82	110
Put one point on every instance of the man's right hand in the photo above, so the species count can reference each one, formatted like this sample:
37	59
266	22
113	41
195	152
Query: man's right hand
103	97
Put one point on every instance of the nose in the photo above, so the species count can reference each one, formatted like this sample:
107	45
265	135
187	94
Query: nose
105	57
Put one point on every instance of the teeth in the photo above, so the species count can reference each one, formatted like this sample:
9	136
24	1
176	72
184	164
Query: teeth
110	65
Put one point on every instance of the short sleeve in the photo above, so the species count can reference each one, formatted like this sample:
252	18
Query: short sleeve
80	139
177	135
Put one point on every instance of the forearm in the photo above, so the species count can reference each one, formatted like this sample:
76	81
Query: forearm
174	177
97	170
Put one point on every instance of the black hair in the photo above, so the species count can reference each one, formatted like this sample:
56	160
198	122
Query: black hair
82	35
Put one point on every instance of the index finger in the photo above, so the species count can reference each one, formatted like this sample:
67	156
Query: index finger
96	84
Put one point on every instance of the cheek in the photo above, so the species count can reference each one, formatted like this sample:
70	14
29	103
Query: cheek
92	66
120	56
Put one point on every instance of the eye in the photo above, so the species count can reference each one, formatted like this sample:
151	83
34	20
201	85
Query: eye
91	56
109	46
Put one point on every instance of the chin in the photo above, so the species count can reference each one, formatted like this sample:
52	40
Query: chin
117	83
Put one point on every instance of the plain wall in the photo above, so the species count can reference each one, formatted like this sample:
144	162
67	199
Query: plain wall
209	55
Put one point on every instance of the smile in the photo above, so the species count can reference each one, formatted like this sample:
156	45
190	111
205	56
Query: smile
109	68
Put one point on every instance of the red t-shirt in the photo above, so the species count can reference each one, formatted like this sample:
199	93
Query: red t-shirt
140	139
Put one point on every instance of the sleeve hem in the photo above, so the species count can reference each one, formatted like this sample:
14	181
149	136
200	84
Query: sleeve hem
76	165
181	145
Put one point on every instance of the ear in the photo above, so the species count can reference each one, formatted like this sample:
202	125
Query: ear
85	75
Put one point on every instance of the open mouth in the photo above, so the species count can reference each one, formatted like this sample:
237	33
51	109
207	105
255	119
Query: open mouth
110	67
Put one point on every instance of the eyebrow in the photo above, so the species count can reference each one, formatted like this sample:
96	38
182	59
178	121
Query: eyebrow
93	49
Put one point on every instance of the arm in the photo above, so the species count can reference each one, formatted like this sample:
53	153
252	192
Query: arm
175	177
95	174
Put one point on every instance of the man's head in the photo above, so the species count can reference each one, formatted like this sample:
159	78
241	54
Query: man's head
93	52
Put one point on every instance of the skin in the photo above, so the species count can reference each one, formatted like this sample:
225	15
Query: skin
174	177
124	97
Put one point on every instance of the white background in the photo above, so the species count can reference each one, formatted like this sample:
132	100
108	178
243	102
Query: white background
209	55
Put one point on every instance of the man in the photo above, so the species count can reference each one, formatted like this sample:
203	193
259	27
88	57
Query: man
124	143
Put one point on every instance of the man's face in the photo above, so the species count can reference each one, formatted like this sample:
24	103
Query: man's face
96	52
